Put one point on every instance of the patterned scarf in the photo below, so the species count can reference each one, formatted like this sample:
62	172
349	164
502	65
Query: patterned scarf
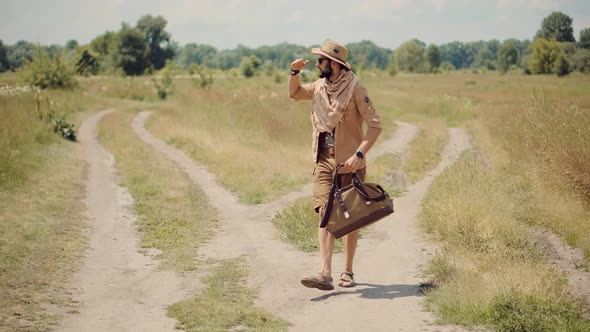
329	104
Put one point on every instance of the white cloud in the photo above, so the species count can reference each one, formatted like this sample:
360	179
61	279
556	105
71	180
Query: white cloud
528	4
439	5
543	4
503	4
376	8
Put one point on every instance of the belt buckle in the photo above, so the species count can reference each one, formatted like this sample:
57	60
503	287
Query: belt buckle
329	140
331	150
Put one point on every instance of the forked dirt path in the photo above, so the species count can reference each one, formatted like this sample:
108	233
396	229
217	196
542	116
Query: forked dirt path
118	287
387	297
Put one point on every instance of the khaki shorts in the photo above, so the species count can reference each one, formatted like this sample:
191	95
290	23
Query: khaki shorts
322	178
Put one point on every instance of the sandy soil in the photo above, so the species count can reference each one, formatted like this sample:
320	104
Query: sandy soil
118	287
568	259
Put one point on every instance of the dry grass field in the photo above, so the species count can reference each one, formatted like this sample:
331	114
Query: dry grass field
530	167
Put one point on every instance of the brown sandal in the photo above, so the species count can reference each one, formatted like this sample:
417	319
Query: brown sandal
346	279
318	281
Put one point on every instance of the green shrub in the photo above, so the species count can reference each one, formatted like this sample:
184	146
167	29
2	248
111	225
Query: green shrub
61	126
204	79
562	66
45	72
250	66
163	85
447	66
581	61
545	56
87	64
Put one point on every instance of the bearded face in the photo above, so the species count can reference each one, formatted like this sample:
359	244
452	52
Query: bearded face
325	67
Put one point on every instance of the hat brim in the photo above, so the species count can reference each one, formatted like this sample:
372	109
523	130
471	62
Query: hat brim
318	51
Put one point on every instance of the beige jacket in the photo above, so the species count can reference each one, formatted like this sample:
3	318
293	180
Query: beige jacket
349	131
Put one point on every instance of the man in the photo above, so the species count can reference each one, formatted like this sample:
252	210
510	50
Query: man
340	105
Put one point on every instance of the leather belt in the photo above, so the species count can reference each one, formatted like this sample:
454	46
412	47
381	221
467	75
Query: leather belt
329	149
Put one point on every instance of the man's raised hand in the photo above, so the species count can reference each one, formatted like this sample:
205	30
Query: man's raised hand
299	64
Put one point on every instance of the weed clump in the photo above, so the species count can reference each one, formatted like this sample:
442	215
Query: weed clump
226	304
514	311
163	86
204	78
57	121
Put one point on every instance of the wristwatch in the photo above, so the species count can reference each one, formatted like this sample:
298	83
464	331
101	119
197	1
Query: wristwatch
360	154
294	72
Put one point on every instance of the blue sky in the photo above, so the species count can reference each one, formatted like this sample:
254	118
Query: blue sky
227	23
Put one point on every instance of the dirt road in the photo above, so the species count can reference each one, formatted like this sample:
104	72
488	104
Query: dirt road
387	297
119	288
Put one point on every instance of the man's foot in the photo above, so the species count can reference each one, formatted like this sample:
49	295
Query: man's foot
346	279
318	281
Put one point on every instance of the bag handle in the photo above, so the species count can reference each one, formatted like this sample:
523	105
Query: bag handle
335	191
360	187
328	210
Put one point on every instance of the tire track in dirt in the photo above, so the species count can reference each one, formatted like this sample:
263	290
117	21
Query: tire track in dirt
119	288
387	296
568	259
388	264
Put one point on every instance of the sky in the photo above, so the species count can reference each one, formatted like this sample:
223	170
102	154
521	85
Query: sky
253	23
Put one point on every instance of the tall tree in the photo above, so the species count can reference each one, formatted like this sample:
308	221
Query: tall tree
71	44
433	56
494	46
545	56
455	53
581	61
522	47
410	57
193	53
104	44
508	56
481	54
132	52
3	58
19	53
157	38
584	41
557	26
366	54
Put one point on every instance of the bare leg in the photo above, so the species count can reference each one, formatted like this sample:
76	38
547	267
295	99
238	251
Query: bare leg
326	250
350	241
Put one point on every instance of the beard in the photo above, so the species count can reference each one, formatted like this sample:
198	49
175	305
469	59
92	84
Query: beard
326	73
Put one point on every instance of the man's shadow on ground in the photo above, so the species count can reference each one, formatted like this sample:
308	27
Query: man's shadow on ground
373	291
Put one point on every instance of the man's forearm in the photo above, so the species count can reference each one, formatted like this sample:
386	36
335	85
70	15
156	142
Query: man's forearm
369	139
294	84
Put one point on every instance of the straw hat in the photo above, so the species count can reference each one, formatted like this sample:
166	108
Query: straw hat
333	50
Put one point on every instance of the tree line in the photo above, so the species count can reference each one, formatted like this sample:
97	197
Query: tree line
148	47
